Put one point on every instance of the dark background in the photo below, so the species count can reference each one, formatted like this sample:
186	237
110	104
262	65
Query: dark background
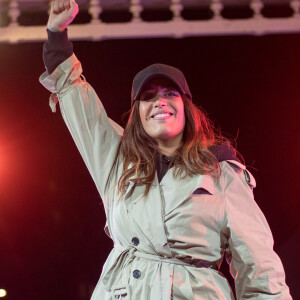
52	243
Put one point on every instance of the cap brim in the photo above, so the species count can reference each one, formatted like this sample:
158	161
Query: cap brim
152	76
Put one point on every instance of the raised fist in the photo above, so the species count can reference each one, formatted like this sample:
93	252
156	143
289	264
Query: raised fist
62	14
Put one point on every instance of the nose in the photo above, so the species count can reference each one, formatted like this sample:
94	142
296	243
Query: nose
160	101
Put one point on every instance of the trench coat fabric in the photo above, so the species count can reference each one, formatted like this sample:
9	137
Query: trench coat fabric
170	244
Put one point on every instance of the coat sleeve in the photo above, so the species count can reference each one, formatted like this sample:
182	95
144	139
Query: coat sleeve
97	137
256	268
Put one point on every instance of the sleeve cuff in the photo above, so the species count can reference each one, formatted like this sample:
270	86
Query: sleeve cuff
58	37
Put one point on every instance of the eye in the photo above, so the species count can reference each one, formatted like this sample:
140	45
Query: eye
172	94
146	96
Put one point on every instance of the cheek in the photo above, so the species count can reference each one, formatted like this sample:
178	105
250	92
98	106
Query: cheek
143	110
181	115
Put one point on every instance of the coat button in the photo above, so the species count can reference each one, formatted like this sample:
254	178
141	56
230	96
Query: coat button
136	273
135	241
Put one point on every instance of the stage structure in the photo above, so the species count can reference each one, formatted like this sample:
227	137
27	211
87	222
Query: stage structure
178	25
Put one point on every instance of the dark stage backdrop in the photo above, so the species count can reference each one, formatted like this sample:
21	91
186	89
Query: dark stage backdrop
52	243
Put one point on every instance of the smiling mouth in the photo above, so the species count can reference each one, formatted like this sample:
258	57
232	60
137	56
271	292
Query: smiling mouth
162	116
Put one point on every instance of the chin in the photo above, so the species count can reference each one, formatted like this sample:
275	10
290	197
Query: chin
164	136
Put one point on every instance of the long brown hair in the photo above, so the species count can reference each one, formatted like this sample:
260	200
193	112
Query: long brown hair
139	150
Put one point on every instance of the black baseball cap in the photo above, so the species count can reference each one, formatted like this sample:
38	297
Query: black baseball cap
159	70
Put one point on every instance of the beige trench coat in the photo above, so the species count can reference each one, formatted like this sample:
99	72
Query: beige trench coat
166	245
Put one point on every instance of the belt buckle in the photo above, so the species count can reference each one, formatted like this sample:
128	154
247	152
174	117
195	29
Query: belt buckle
120	291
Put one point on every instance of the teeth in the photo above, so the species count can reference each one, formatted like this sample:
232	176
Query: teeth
162	115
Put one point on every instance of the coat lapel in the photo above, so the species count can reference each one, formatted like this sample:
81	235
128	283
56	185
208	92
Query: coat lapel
148	214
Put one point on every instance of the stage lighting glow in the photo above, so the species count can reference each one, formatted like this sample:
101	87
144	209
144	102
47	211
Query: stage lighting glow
2	293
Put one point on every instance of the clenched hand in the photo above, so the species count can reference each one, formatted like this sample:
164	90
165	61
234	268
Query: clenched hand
62	14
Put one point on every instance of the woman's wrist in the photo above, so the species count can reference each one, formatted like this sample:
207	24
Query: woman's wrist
55	29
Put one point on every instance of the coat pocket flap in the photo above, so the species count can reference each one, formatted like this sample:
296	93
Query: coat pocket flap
201	191
206	186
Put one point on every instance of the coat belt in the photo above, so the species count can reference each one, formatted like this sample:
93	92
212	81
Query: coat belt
128	254
173	260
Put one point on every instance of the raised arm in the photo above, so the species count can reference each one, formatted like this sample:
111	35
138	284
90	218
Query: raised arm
96	136
58	48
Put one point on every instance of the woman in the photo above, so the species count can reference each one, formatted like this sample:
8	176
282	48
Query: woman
175	195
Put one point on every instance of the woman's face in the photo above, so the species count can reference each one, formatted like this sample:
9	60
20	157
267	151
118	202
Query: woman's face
162	110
